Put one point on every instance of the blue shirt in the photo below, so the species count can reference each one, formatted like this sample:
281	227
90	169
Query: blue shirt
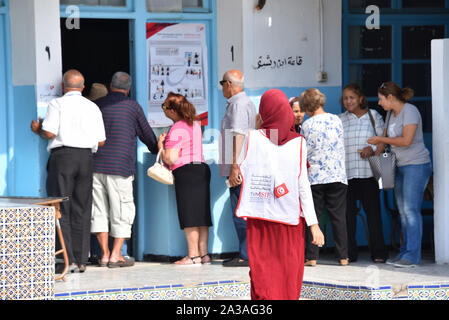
124	120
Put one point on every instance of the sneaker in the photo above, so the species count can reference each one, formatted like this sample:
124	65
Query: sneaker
391	262
404	264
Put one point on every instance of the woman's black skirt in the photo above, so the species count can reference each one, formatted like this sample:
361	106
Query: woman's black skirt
192	187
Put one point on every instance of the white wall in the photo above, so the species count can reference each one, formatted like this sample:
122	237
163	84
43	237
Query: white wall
264	34
230	34
440	140
47	22
35	25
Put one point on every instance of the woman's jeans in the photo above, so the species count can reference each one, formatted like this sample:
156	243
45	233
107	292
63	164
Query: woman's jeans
410	183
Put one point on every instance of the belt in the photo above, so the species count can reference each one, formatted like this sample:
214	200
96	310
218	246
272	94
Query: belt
64	147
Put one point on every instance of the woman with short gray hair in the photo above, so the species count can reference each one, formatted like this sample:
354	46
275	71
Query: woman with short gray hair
327	174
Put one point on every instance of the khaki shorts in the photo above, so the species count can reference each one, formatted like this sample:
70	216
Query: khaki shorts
113	208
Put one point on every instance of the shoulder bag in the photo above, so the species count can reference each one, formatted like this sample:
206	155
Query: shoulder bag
384	164
159	172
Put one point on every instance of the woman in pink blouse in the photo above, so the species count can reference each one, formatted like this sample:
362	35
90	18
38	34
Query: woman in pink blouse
182	151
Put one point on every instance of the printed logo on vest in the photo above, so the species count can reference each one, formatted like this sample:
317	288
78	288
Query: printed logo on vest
280	191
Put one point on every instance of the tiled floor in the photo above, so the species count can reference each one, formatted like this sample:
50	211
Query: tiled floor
328	280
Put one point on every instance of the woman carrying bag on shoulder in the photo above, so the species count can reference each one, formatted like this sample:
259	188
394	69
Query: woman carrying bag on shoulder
182	151
405	135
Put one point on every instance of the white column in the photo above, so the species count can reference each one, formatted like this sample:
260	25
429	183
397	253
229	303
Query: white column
36	47
440	136
36	72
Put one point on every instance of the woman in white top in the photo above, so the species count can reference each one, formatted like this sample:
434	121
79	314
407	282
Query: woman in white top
405	135
358	126
327	174
277	201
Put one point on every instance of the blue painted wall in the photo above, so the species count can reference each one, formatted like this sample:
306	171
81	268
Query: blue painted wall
3	110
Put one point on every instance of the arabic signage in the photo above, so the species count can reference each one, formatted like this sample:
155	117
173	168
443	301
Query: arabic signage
268	62
177	62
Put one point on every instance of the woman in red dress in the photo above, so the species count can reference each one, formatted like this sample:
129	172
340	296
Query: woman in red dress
276	161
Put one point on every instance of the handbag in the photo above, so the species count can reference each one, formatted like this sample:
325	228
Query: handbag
383	165
159	172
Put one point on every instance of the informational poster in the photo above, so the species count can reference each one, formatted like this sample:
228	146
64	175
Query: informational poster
44	94
177	62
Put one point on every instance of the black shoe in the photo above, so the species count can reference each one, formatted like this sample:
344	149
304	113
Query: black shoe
236	263
77	268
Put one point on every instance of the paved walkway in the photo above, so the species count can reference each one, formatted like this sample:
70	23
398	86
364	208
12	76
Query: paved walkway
362	280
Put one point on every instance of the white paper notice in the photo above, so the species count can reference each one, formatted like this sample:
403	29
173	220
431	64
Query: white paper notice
177	55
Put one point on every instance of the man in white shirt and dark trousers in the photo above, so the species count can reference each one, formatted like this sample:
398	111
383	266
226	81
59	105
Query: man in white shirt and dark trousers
240	117
74	127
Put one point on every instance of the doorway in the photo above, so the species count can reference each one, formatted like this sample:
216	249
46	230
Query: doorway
98	49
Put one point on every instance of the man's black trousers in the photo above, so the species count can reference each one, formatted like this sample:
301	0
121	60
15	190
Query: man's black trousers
70	173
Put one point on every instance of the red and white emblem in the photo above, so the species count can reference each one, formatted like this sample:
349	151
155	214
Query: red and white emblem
280	191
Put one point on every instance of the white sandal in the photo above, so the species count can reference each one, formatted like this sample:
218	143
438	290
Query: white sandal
189	261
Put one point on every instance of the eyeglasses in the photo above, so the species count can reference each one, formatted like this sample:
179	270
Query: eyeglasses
222	82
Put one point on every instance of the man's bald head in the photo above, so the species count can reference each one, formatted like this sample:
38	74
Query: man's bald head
73	81
232	83
235	77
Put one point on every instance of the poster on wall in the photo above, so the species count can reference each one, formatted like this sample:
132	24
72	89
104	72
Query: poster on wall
177	62
44	94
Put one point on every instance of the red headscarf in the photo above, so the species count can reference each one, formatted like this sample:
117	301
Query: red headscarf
277	115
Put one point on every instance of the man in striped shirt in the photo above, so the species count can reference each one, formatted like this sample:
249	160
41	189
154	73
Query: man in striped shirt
114	169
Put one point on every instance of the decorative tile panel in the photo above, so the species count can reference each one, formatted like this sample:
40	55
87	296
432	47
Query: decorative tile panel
205	290
27	242
429	292
237	289
327	291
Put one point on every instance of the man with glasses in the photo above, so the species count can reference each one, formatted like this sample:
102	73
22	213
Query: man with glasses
240	117
113	209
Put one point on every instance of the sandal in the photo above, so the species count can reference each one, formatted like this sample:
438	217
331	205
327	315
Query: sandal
310	263
189	261
379	260
206	259
102	263
344	262
128	262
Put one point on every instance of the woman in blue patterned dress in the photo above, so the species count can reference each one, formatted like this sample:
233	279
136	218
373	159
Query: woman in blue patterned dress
327	174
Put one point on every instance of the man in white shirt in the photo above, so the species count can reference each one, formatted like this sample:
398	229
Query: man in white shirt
74	127
240	117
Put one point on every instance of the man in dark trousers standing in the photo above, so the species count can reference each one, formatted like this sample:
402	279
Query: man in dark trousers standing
74	127
113	208
240	117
